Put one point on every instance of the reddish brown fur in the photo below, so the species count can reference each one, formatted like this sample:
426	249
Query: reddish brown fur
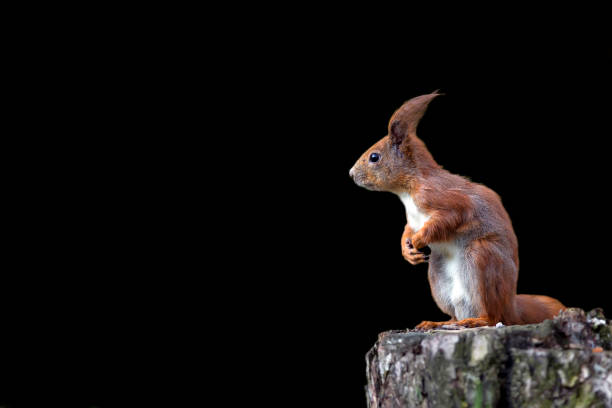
457	208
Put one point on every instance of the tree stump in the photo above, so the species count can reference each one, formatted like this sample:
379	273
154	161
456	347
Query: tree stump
564	362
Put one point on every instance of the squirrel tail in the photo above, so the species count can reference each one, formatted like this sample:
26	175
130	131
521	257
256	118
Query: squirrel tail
536	308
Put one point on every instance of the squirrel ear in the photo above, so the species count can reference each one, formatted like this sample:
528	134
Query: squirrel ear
405	120
397	132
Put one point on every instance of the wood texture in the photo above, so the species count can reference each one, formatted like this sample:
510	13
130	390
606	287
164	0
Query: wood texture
564	362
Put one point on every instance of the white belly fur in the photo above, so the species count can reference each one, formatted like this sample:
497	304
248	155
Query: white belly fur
456	270
416	218
452	288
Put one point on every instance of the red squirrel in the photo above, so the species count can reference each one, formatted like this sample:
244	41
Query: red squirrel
459	227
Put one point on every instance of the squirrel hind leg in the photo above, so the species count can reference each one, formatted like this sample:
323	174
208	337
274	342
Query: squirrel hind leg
475	322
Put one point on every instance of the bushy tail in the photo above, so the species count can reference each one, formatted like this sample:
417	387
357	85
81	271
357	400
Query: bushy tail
536	308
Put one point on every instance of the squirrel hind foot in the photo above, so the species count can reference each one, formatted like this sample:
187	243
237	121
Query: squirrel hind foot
455	324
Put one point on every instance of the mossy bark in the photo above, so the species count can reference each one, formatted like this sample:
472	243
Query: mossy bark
565	362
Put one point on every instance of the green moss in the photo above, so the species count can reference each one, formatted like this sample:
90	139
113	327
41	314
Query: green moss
478	395
418	396
585	398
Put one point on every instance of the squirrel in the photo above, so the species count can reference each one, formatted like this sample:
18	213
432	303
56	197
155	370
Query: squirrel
460	228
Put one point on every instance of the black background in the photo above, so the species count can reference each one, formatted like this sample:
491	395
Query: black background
189	231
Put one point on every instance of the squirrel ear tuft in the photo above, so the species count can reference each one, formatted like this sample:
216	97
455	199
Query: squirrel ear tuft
405	120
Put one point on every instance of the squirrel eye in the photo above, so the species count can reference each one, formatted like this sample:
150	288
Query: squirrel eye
374	157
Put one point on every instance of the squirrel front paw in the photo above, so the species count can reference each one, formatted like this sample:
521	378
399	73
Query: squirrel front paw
417	241
413	255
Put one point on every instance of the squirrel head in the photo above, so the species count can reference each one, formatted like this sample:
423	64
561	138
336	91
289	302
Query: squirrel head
396	160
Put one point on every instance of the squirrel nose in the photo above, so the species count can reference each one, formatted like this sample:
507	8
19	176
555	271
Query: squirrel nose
352	172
